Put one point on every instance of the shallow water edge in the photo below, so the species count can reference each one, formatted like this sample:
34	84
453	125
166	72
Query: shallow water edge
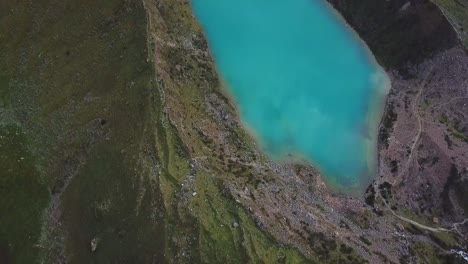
375	107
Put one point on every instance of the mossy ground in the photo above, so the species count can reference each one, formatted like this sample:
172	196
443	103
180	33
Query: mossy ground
79	85
23	197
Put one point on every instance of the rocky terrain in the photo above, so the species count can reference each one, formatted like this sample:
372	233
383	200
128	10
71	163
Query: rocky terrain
119	144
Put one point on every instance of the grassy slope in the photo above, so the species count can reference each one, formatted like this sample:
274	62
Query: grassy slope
71	65
23	196
102	160
457	13
107	140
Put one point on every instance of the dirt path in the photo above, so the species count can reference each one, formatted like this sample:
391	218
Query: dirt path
428	228
425	227
418	117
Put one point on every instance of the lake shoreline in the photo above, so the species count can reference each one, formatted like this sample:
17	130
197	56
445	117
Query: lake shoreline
373	116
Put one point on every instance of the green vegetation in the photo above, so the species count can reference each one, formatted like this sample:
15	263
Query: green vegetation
456	182
329	250
389	118
454	128
457	12
444	239
365	240
422	219
95	132
103	112
23	196
424	105
362	221
81	94
228	234
431	254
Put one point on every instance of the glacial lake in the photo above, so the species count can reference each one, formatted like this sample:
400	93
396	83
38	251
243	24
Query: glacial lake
306	87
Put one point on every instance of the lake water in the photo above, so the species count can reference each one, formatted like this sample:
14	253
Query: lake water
305	85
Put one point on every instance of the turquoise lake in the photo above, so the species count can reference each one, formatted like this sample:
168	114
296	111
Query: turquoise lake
307	88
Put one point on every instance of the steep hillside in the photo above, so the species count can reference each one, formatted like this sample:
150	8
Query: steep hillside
118	144
456	12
